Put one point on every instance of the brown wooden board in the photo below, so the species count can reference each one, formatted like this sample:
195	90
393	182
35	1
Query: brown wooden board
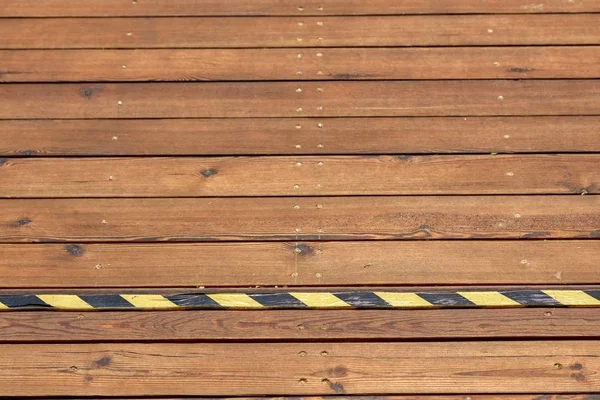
333	218
435	30
292	99
300	264
307	175
132	326
299	136
298	368
284	64
60	8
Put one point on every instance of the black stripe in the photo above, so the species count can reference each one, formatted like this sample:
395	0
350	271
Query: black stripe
531	298
594	293
106	301
195	300
277	300
447	299
362	299
22	301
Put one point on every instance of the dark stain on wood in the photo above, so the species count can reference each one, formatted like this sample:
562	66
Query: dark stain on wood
3	161
89	378
27	152
336	387
75	250
404	157
103	362
305	250
519	70
22	222
579	377
576	366
595	234
208	173
89	92
348	76
534	235
338	371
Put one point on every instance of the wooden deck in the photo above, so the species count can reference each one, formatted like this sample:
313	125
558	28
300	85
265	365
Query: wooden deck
367	199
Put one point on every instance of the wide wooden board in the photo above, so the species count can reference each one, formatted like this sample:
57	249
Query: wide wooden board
293	99
307	176
313	64
298	368
300	264
260	32
35	326
300	218
299	136
102	8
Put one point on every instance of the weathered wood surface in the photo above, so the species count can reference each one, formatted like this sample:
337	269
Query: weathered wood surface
284	64
36	326
298	368
259	32
299	136
305	176
103	8
338	218
294	99
300	264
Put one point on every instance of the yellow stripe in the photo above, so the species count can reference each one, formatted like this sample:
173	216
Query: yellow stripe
64	301
489	299
235	300
150	301
321	300
404	300
572	297
3	307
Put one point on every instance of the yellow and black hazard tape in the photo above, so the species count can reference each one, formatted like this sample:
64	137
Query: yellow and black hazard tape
304	300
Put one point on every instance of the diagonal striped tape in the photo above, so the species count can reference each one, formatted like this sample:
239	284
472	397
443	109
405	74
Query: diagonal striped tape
304	300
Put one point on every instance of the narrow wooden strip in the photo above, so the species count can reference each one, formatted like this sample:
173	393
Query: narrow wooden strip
308	176
338	218
37	326
120	369
413	397
298	299
284	64
292	99
106	8
299	136
437	30
300	264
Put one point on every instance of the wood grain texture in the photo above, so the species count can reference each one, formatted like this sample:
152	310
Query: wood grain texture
298	325
259	32
413	397
315	99
298	368
104	8
339	218
304	176
284	64
299	136
300	264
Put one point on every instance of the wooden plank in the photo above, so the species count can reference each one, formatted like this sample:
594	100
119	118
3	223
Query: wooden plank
303	176
284	64
299	136
38	326
120	369
418	397
300	264
292	99
105	8
192	32
338	218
